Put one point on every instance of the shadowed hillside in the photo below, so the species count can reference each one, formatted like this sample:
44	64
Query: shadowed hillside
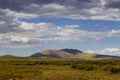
52	54
72	51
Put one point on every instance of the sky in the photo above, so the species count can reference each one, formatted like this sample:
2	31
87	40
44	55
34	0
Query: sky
30	26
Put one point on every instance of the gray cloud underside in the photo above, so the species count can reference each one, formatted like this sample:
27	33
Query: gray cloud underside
74	9
113	4
19	5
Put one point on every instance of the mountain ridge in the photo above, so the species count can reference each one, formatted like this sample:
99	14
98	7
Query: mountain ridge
62	54
71	54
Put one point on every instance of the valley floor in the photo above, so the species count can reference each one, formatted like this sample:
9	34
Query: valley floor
51	70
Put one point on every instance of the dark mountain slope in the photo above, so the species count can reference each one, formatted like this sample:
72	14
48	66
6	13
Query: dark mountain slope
72	51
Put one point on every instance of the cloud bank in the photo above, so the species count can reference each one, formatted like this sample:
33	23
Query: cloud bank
73	9
36	33
107	51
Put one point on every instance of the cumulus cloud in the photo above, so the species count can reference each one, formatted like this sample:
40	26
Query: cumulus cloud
113	4
34	33
8	21
14	31
110	51
26	26
19	39
20	5
106	51
75	9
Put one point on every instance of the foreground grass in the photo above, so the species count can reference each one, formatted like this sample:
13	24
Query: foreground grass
58	70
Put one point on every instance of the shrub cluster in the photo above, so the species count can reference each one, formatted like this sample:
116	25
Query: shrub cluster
111	66
84	67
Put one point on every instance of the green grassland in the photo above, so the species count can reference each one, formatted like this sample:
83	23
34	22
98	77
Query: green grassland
59	70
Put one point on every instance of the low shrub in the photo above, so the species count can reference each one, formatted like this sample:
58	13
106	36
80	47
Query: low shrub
84	67
114	69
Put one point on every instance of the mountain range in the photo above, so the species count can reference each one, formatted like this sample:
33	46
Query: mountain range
70	54
62	54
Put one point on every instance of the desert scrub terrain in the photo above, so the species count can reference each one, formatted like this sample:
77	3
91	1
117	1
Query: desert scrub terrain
59	70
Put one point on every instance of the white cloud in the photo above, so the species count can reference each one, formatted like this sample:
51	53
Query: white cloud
26	26
20	39
12	30
34	33
58	10
25	15
75	9
99	12
89	51
8	21
52	6
110	50
106	51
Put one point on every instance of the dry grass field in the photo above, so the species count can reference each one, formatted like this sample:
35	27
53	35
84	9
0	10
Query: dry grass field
59	70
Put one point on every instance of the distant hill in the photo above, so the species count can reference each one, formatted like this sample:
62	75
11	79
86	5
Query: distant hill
8	57
70	54
13	57
52	54
103	56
